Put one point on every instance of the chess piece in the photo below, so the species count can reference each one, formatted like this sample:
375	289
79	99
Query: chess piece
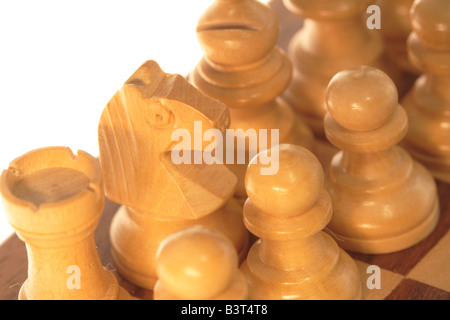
383	200
244	68
198	263
334	37
428	102
395	29
158	196
294	258
54	200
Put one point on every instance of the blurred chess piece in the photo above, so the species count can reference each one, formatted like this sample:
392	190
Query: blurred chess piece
244	68
334	37
158	195
54	200
383	200
294	258
428	102
198	263
396	27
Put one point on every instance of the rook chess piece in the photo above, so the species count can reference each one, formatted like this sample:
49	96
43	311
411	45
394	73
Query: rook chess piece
383	200
198	263
244	68
294	258
428	102
54	200
158	195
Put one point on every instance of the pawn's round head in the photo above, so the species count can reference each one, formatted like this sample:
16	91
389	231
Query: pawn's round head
430	19
293	189
196	263
237	33
362	98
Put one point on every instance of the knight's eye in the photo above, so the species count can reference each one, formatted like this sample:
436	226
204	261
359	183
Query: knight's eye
159	115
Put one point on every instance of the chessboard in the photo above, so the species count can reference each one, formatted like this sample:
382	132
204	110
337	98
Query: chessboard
420	272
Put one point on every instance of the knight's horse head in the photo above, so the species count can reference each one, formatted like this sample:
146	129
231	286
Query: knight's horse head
135	143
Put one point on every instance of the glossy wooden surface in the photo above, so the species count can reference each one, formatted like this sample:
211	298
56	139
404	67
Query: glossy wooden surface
383	200
334	37
54	200
428	102
157	196
294	258
198	263
401	277
244	68
396	27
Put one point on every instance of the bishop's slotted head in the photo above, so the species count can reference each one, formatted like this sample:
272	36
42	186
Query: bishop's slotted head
198	263
294	258
383	200
244	68
252	27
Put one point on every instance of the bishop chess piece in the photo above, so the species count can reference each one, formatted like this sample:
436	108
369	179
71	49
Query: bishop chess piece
161	194
54	199
334	37
198	263
294	258
383	200
244	68
428	102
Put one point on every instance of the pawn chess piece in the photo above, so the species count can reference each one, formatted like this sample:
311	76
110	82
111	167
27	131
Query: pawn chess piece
244	68
334	37
294	258
54	199
383	200
198	263
428	102
139	134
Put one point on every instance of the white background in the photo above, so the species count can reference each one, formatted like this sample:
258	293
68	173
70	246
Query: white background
61	61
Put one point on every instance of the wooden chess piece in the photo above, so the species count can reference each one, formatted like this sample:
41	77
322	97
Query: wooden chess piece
244	68
383	200
294	258
395	29
334	37
198	263
428	102
158	196
54	200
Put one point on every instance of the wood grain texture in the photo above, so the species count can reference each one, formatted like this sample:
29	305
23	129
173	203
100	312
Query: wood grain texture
412	290
13	259
152	119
